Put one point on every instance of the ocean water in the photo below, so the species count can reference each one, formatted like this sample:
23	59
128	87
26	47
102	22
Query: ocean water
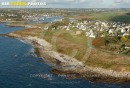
46	19
6	29
21	68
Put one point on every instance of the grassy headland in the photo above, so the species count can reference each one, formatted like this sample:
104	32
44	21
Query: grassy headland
68	43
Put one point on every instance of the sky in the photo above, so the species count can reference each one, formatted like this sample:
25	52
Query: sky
80	3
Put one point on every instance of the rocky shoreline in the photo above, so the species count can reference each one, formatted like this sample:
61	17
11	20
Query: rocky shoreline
72	68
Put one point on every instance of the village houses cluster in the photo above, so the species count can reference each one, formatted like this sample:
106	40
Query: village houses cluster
97	28
91	28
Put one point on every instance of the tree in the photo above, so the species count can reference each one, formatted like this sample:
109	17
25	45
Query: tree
123	38
122	48
107	42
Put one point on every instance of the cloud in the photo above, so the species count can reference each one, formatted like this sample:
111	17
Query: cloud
122	1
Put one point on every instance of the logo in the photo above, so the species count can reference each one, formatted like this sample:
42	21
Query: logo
20	3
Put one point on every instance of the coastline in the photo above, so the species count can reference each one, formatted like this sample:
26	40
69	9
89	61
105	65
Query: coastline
65	65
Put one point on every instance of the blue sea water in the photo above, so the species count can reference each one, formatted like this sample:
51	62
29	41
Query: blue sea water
6	29
20	68
46	19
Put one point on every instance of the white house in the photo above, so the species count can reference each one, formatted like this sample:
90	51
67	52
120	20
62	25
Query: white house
46	28
68	28
126	34
92	35
103	35
123	30
82	27
111	31
87	33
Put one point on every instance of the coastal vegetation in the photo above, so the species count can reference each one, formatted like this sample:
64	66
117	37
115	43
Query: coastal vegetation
68	43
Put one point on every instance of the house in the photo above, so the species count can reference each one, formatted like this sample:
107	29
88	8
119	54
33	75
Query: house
92	35
118	29
126	34
72	20
46	28
102	29
78	32
123	30
120	34
103	35
68	28
85	22
8	19
82	27
87	34
53	28
127	46
111	31
104	24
